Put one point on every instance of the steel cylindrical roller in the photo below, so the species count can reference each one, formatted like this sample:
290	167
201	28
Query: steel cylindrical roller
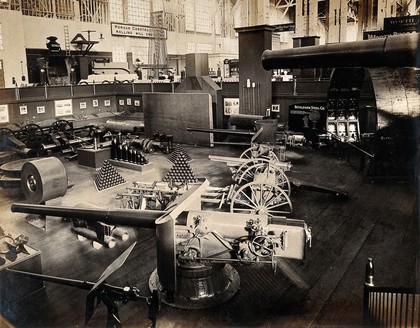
43	179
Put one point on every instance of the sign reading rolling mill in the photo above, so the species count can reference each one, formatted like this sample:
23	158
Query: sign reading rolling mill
138	31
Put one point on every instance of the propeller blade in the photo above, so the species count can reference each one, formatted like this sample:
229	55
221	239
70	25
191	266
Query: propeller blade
113	266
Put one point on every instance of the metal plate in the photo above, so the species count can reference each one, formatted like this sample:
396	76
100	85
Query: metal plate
14	167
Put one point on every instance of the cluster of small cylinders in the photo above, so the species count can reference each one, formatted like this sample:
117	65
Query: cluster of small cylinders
124	151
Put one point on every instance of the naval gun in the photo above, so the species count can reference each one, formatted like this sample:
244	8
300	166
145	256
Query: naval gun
391	51
195	248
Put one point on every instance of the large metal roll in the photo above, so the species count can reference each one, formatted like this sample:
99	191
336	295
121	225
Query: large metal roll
132	126
43	179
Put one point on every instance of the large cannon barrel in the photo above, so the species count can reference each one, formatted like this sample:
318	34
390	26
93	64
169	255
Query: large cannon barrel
392	51
135	218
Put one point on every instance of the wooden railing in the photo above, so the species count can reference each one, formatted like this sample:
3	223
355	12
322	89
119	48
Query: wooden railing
389	306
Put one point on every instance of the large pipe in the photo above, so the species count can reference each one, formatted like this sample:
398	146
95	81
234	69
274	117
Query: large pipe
136	218
226	131
392	51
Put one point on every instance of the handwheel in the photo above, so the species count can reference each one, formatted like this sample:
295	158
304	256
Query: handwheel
260	151
261	246
261	198
62	126
265	171
31	135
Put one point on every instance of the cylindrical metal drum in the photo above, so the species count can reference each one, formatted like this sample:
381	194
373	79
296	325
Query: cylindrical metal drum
242	121
268	133
43	179
125	125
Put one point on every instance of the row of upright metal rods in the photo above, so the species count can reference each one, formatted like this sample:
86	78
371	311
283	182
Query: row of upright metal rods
251	97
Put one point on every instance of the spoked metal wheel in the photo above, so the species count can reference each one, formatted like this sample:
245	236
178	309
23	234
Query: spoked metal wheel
31	135
261	198
245	165
265	172
260	151
62	126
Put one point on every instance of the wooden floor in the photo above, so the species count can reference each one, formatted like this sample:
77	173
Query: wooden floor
377	220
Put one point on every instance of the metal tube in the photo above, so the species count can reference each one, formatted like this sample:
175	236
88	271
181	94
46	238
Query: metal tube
227	131
136	218
392	51
62	281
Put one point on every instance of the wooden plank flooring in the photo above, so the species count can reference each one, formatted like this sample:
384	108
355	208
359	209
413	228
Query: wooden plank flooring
377	220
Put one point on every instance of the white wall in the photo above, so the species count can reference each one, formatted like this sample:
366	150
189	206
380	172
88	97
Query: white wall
13	42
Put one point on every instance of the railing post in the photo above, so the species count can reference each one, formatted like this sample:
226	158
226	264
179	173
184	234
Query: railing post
369	274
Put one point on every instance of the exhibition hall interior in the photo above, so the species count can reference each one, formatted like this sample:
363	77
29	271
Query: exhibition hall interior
209	163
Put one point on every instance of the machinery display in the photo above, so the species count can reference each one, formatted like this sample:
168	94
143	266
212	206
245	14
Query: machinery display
102	292
338	118
35	140
260	185
390	149
195	248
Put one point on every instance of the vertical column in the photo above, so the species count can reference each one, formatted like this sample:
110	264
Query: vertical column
313	18
306	18
343	20
371	22
263	12
300	20
382	8
391	8
306	30
337	21
362	16
255	93
255	12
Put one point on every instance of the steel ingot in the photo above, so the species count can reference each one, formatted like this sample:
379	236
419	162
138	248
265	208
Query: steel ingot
43	179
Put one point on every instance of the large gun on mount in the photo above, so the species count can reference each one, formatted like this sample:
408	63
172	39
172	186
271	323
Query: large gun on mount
195	247
392	51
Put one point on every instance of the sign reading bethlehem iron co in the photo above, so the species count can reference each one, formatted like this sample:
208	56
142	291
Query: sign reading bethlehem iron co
138	31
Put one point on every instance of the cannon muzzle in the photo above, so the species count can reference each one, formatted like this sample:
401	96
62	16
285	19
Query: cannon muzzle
135	218
392	51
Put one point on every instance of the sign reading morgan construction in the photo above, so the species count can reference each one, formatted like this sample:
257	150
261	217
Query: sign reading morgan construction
138	31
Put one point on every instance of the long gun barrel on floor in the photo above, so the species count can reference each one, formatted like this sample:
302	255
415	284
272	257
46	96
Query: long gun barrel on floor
136	218
392	51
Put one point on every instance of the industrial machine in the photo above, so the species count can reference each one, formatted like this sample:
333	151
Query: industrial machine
390	148
102	292
33	139
196	248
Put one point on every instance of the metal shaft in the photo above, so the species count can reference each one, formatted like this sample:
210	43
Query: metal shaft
136	218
